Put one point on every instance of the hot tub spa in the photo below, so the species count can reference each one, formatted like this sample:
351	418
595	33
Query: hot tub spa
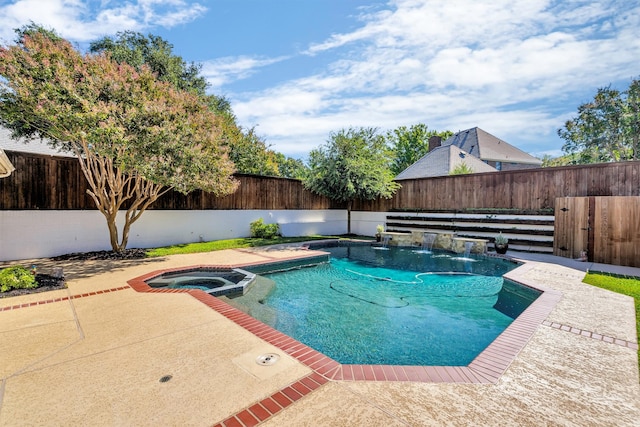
213	282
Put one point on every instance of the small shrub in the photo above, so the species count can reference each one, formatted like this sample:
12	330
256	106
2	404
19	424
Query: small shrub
261	230
16	278
501	240
256	227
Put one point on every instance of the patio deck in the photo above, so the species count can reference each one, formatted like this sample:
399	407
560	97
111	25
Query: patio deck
94	354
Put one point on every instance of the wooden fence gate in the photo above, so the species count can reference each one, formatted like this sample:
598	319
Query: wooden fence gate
607	228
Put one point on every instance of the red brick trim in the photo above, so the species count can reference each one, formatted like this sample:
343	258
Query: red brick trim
49	301
588	334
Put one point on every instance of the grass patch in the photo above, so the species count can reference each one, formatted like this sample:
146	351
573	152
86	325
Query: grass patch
623	285
218	245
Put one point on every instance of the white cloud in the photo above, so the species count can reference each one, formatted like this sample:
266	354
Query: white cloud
230	69
83	21
505	66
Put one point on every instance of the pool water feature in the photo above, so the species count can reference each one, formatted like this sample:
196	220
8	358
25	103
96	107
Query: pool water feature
395	307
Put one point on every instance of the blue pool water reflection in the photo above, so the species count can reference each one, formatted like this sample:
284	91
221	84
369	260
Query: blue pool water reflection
397	306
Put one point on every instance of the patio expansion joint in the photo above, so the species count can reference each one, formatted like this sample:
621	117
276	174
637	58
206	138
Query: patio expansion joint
590	334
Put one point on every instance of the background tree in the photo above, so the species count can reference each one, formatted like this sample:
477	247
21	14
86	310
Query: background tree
289	167
606	129
134	136
250	154
461	169
352	165
408	145
566	160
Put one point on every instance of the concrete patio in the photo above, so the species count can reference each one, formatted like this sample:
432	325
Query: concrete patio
101	353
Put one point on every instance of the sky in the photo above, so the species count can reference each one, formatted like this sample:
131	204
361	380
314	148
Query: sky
297	70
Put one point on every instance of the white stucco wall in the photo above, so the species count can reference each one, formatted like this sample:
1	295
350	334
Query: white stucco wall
365	223
41	234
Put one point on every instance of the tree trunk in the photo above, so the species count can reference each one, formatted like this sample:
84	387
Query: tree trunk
113	232
110	187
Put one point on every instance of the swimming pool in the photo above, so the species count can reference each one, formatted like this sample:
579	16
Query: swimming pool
395	306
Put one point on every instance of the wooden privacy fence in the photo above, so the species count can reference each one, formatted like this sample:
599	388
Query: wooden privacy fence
57	183
607	228
531	189
51	182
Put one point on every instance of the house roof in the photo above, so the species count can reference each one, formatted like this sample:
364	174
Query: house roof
441	161
487	147
23	145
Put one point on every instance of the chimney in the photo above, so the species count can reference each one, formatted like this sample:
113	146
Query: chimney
434	142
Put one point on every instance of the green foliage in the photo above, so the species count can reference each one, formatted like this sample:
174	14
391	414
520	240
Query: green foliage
249	152
351	165
156	53
501	239
16	278
606	129
32	28
408	145
289	167
566	160
461	169
264	231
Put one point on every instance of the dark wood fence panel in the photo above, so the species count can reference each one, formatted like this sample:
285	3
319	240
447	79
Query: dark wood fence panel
532	189
45	182
57	183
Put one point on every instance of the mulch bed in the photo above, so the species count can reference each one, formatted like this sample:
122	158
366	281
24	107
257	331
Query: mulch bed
103	255
47	282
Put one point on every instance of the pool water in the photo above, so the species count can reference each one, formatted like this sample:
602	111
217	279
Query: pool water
396	307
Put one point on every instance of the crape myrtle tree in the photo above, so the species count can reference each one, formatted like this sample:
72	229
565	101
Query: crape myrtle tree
607	129
250	154
409	144
352	165
136	137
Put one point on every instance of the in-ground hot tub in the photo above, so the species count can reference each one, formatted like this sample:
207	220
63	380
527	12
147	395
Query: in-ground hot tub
215	282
